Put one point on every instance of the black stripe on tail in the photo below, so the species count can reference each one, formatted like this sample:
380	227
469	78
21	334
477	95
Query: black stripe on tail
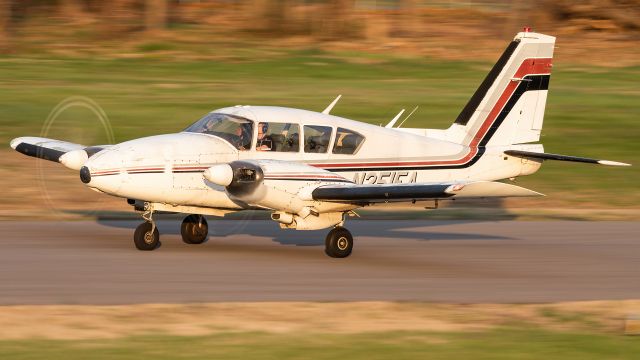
480	93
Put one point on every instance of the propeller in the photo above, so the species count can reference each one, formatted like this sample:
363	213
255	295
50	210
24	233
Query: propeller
80	120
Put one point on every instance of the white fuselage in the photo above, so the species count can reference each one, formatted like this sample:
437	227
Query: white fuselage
168	168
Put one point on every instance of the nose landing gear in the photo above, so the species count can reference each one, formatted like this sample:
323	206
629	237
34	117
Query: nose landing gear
147	237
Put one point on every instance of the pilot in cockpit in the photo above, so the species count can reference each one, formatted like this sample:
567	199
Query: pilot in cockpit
265	142
243	133
208	127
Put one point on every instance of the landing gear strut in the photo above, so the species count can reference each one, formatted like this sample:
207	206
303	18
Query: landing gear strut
194	229
338	243
147	237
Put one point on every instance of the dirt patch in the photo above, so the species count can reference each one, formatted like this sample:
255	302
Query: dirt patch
99	322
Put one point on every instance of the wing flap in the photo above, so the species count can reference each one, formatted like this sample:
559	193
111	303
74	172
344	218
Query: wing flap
486	189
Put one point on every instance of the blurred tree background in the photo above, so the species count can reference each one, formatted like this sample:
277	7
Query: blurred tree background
405	23
154	66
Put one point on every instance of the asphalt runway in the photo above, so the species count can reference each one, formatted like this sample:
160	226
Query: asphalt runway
250	260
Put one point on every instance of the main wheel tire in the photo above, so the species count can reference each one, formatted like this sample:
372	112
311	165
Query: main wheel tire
339	243
144	239
194	229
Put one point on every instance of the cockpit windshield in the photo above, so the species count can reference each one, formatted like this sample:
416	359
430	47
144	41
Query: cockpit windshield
234	129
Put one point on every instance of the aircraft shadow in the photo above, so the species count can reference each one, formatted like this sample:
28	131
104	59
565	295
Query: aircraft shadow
390	229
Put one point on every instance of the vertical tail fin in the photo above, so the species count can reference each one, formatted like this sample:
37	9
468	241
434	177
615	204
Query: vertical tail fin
508	107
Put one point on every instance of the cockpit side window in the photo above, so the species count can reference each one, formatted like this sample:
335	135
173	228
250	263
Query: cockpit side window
316	138
283	137
237	130
347	142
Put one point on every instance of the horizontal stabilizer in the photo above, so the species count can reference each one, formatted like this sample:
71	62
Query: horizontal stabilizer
547	156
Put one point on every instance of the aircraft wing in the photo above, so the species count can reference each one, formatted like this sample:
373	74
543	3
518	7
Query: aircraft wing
375	193
53	150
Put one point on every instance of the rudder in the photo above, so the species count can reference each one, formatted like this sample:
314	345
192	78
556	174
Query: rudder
508	106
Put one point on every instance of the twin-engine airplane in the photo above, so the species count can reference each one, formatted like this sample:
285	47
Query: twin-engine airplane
310	170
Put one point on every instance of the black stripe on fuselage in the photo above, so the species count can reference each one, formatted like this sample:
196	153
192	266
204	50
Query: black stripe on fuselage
481	92
187	171
310	179
528	83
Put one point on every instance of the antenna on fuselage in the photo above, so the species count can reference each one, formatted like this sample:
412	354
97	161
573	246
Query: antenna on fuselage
408	116
393	121
330	107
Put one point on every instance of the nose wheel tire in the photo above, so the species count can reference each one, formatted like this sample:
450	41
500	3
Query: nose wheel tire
194	229
339	243
145	239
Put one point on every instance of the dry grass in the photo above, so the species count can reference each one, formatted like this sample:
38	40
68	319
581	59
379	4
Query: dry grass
106	322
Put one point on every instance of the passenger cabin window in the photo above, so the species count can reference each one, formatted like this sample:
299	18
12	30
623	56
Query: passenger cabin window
283	137
237	130
347	142
316	138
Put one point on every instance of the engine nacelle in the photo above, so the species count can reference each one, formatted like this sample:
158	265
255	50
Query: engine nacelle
282	186
244	181
74	159
221	174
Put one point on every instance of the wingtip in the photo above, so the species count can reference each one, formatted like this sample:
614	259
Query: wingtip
612	163
15	142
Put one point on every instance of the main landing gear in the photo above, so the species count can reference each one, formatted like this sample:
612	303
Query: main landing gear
339	243
194	230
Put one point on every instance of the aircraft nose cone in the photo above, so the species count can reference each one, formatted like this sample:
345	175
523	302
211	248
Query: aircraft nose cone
85	175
